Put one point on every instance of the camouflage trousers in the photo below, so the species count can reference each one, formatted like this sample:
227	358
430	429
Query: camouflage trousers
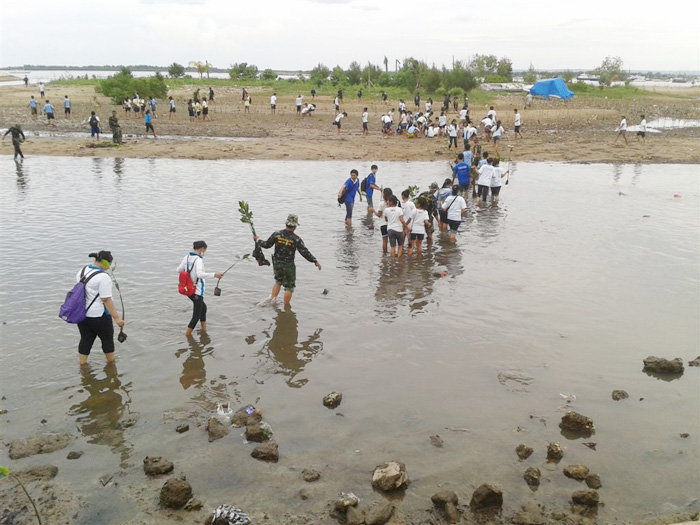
285	273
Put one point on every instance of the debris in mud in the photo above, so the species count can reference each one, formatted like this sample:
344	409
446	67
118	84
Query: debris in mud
577	424
523	452
157	466
304	494
310	475
228	515
38	444
333	400
577	472
41	473
268	451
694	362
685	435
659	365
104	480
447	502
128	423
258	432
532	477
531	514
514	380
247	415
585	498
176	492
390	476
555	452
618	395
75	454
379	513
590	445
216	429
345	500
436	441
355	516
593	481
486	497
184	427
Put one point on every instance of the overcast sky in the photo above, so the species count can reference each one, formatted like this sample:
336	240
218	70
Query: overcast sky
298	34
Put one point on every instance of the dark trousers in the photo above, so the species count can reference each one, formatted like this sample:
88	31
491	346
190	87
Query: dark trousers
93	327
199	311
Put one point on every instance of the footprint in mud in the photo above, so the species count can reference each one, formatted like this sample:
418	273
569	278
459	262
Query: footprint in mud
515	380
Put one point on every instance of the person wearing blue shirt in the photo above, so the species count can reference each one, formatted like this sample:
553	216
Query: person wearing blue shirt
349	190
33	106
461	171
468	156
66	106
148	120
48	109
371	186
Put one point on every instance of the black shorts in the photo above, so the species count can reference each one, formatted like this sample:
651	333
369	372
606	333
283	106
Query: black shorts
150	126
418	236
395	238
127	108
364	126
136	110
66	111
454	225
93	327
172	110
49	116
517	129
495	190
383	229
205	111
641	134
298	109
273	106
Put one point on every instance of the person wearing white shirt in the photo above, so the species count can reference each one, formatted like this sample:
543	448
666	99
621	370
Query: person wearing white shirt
622	130
308	109
336	104
428	106
488	124
492	114
456	208
299	101
338	118
484	181
452	131
528	101
194	264
496	133
642	132
517	124
496	177
418	222
463	115
442	121
273	103
365	121
470	133
408	211
395	224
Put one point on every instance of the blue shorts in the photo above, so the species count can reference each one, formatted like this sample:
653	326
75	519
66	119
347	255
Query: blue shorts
348	209
464	187
94	130
370	204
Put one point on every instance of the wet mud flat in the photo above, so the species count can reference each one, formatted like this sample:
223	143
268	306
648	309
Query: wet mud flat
549	304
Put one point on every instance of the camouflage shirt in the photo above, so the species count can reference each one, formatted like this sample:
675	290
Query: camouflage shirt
286	244
428	203
114	123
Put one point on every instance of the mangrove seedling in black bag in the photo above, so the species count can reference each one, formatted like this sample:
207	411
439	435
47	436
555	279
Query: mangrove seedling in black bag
247	217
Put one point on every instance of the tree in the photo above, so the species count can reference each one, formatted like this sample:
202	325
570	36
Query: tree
459	77
530	76
354	73
386	65
176	70
268	74
201	67
319	75
432	79
243	71
483	65
338	76
505	68
610	71
371	72
123	85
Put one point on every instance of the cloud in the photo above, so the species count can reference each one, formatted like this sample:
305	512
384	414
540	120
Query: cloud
332	1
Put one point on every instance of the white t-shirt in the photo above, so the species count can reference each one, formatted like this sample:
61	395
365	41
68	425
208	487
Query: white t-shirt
643	125
422	120
197	273
381	207
339	117
273	100
442	120
491	114
487	122
305	110
430	133
623	125
455	210
409	209
99	286
452	130
336	101
496	177
172	103
365	117
299	100
428	107
471	131
497	131
418	222
392	216
463	114
517	119
485	174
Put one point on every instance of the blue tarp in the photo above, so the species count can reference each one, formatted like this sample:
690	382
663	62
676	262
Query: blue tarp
551	87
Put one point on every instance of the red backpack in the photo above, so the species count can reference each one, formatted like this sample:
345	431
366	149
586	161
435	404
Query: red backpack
185	285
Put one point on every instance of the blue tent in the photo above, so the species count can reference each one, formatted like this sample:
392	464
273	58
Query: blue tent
551	87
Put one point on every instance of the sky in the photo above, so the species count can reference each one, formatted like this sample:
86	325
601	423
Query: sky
298	34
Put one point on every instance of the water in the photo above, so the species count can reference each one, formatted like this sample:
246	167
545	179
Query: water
564	288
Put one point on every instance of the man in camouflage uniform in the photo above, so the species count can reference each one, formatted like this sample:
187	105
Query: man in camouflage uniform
16	131
286	243
116	128
429	203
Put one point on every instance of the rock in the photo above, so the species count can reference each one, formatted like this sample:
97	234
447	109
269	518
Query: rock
532	477
216	429
175	493
38	444
379	513
593	481
523	452
576	423
685	435
75	454
531	514
157	466
436	441
694	362
310	475
355	516
194	504
554	452
586	498
452	513
243	418
304	494
440	499
617	395
485	497
345	500
577	472
390	476
184	427
268	451
44	472
258	432
332	400
659	365
128	422
106	479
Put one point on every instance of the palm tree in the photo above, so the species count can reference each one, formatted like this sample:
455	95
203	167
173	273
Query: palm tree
201	67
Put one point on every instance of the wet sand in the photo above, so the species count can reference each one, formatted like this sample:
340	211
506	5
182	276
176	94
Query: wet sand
580	131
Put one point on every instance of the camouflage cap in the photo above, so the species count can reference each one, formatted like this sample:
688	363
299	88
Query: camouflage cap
433	186
292	221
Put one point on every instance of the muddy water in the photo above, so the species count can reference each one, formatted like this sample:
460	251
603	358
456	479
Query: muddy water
581	273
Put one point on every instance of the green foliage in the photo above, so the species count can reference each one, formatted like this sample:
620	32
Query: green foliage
371	72
319	75
384	80
338	76
483	65
4	471
413	191
246	214
610	71
496	79
530	76
243	71
459	77
176	70
123	85
455	91
505	69
268	74
354	73
201	67
432	79
568	76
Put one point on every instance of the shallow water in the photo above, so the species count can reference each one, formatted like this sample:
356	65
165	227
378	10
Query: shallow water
581	273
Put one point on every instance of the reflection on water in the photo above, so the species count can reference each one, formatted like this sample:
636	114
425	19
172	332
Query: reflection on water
193	371
100	415
22	178
118	167
287	355
97	163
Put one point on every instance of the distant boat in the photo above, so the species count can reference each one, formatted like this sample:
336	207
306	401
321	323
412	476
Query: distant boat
680	80
583	77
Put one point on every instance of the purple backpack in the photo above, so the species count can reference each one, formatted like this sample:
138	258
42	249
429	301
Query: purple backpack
73	308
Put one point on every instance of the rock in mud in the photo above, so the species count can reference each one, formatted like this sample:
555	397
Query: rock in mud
184	427
531	514
42	473
577	472
532	477
593	481
659	365
523	452
694	362
304	494
355	516
685	435
578	424
258	432
268	451
194	504
38	444
379	513
436	441
128	423
157	466
555	452
390	476
333	400
310	475
585	498
486	497
447	502
216	429
618	395
75	454
345	500
175	493
242	417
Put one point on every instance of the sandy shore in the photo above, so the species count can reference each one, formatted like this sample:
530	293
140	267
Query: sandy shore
579	131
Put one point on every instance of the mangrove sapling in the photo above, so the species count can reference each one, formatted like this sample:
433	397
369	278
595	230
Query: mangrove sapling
4	471
122	336
217	290
247	217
